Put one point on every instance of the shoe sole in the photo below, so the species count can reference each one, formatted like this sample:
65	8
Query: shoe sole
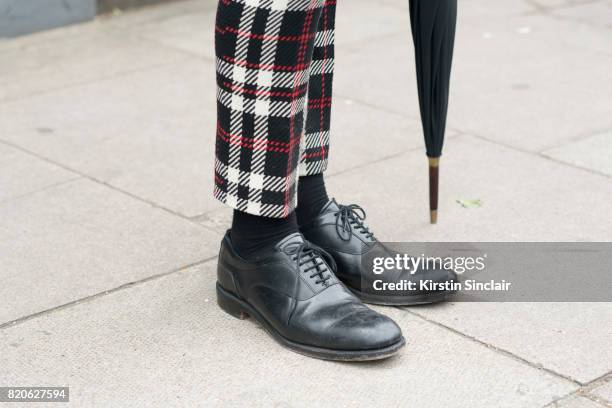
242	310
416	300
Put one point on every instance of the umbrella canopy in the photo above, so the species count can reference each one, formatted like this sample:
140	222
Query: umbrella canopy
433	31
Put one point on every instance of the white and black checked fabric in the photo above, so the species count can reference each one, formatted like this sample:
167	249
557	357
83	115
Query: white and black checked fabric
275	62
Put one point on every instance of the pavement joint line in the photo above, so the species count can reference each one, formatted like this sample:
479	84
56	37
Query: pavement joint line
545	9
394	5
601	380
188	55
47	187
599	173
573	20
585	391
370	163
104	293
147	7
174	48
604	402
534	154
356	46
385	158
579	138
497	349
542	156
77	84
378	107
110	186
550	13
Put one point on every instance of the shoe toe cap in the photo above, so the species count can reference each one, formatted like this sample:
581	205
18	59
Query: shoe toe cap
365	329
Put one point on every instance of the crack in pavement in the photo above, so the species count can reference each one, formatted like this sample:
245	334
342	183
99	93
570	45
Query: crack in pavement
95	296
496	349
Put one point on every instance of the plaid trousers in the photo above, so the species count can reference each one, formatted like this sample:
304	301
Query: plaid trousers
275	61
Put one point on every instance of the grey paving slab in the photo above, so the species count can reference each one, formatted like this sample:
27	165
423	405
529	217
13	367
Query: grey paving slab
586	36
575	401
191	32
219	220
539	200
361	134
593	13
478	9
113	131
524	81
83	57
604	391
358	76
591	153
356	21
80	238
548	334
136	19
21	173
551	5
166	343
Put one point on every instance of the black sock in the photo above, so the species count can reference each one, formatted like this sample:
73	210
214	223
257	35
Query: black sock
312	197
251	234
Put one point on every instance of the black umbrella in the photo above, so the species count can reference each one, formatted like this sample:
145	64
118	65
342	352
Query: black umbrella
433	30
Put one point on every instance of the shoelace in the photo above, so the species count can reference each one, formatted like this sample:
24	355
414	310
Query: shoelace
351	217
303	253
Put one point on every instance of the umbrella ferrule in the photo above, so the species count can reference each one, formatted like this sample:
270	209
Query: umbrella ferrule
434	177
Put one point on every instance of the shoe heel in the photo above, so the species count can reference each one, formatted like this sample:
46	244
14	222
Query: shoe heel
230	305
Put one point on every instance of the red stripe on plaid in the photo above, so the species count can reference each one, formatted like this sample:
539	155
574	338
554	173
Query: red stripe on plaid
263	92
218	179
269	67
320	103
264	37
251	143
319	153
300	61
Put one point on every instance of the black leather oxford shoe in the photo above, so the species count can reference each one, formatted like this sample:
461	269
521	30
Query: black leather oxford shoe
340	231
293	293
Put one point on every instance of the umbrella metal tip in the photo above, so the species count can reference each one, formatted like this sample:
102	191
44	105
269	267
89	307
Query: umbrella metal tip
433	216
434	169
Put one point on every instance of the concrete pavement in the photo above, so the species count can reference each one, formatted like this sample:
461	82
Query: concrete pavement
108	230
